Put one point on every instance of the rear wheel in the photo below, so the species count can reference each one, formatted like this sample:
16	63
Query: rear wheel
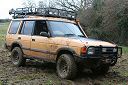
17	57
66	66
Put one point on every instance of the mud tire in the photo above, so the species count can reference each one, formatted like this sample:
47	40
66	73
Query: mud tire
66	67
17	57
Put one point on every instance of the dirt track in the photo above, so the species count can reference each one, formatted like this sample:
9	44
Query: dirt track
39	73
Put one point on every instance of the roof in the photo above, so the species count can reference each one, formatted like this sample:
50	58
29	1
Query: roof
46	18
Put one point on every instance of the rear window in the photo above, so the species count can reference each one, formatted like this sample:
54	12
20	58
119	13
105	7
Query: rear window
14	27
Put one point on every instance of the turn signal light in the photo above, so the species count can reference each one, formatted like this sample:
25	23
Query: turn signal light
83	50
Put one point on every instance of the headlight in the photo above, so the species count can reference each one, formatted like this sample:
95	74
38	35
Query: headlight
91	50
115	50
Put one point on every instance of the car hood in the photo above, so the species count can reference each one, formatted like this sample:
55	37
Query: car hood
94	42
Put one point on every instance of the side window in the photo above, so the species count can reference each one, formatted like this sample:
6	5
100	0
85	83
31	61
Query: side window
40	26
27	27
14	27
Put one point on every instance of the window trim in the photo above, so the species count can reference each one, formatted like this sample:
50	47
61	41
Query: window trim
22	27
11	25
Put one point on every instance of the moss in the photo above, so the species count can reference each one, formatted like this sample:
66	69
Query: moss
0	82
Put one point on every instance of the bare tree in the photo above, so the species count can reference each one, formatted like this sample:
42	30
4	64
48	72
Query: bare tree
44	4
29	3
69	5
74	5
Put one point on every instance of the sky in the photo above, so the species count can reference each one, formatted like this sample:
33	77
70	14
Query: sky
6	5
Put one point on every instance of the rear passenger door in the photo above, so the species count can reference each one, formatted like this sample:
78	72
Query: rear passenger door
39	44
24	36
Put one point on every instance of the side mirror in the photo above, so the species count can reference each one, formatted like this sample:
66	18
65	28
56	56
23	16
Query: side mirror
45	34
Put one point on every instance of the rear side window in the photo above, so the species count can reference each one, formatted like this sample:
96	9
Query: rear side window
14	27
27	27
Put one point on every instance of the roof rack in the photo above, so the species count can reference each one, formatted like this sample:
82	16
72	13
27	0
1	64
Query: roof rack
47	12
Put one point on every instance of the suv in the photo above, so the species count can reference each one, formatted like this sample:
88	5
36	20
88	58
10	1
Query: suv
60	40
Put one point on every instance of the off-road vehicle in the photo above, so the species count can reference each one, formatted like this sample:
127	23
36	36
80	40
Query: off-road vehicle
55	35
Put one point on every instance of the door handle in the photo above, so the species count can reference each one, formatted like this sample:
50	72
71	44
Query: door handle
19	38
33	39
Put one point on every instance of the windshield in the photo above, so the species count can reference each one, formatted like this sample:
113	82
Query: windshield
65	29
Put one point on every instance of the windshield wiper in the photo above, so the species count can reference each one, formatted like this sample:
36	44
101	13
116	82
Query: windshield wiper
67	35
81	35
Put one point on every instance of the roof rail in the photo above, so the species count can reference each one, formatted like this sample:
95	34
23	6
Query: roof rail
46	12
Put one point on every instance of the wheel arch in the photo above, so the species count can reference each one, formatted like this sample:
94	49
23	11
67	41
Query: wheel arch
65	50
15	44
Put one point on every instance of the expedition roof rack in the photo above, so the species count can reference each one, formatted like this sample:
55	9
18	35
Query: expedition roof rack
46	12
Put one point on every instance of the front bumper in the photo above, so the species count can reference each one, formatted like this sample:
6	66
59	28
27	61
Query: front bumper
102	57
99	52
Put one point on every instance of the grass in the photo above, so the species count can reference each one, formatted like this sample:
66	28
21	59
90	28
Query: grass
0	82
3	30
125	50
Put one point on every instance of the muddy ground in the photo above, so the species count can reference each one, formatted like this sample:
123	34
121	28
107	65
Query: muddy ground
39	73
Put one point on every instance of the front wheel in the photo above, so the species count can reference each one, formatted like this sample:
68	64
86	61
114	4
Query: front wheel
66	66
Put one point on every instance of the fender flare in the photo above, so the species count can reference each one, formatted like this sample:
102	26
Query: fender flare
17	43
66	49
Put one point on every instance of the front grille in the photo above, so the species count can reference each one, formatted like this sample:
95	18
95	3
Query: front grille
108	50
104	50
98	50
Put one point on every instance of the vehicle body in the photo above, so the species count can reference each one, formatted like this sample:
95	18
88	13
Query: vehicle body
61	41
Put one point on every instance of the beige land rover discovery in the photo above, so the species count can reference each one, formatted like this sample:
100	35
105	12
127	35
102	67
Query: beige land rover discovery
57	38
